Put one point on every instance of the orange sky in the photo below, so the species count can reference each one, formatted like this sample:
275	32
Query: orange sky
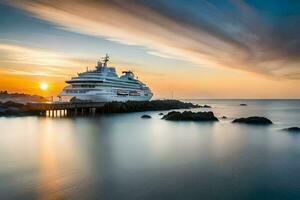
182	85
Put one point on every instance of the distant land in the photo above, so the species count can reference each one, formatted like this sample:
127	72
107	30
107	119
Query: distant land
20	97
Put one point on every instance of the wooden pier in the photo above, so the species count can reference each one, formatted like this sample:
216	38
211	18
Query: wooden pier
60	109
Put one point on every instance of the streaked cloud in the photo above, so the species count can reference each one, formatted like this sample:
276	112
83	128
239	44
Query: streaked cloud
30	73
22	54
162	55
235	36
27	61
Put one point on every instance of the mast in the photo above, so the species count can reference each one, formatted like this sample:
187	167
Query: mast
105	60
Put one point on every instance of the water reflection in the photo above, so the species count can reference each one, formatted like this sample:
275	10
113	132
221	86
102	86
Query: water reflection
125	157
60	165
56	113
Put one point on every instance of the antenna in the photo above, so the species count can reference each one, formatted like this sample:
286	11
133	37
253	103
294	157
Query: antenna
105	60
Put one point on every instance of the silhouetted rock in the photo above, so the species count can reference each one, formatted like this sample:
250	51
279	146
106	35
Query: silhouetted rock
112	107
139	106
224	117
292	129
160	113
243	104
146	116
11	108
253	120
205	106
190	116
12	104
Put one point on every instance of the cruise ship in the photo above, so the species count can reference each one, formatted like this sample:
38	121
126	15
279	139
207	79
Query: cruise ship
104	85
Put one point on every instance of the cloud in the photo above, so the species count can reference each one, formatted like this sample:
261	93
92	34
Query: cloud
28	73
22	60
232	35
162	55
22	54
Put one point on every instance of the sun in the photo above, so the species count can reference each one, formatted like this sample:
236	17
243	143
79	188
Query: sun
44	86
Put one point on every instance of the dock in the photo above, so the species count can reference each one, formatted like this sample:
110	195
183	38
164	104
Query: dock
60	109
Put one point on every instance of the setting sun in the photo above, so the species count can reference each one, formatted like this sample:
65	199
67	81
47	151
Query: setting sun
44	86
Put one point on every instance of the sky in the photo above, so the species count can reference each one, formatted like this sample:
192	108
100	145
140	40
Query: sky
179	48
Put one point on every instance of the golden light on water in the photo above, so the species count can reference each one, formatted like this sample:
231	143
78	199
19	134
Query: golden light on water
44	86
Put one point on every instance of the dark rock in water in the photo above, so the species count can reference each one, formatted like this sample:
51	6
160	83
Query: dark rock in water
243	104
190	116
139	106
224	117
206	106
253	120
292	129
146	116
11	108
12	104
161	114
111	107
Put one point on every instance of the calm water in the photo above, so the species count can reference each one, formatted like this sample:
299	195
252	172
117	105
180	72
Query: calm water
124	157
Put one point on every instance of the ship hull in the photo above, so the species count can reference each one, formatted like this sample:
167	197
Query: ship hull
110	98
105	97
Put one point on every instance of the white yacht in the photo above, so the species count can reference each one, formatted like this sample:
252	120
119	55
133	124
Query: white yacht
104	85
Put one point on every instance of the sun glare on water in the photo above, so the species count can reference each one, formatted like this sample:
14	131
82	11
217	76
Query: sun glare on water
44	86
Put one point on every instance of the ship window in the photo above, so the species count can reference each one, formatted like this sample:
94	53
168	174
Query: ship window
87	86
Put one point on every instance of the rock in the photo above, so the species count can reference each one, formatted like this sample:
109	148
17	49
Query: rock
253	120
160	113
206	106
11	108
190	116
111	107
12	104
11	111
292	129
224	117
139	106
146	116
243	104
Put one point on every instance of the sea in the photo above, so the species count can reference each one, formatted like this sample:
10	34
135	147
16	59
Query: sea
125	157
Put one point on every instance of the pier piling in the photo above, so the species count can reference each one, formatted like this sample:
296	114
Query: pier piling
61	109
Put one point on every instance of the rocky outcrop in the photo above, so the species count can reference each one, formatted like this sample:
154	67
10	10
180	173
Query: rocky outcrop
243	104
146	117
11	108
190	116
292	129
205	106
255	120
160	113
139	106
